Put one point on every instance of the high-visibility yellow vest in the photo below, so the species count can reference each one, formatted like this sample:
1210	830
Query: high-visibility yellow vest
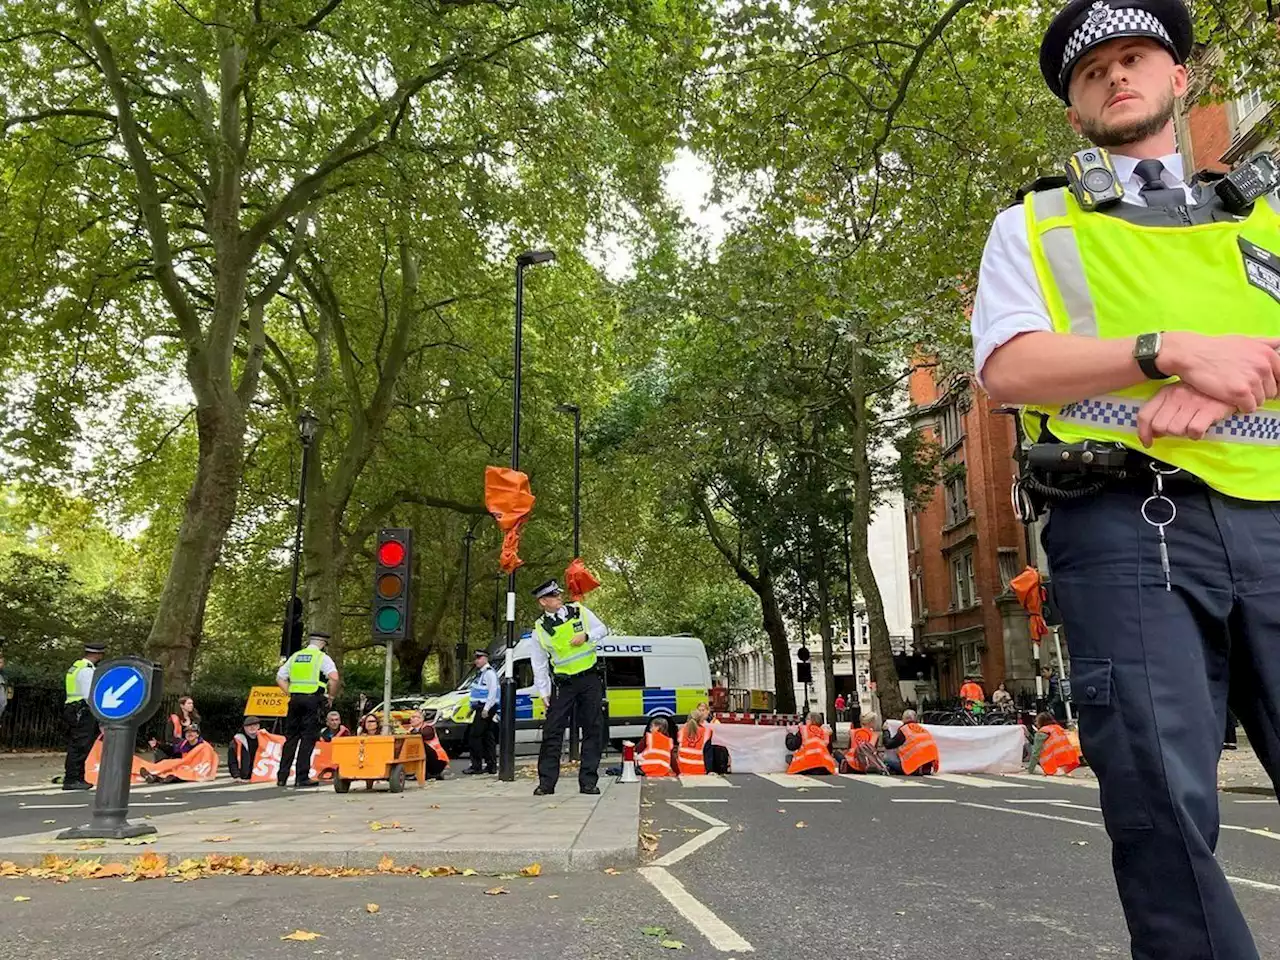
72	695
1115	275
566	659
304	670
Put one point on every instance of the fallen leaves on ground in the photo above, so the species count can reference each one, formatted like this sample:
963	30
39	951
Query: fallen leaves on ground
654	931
217	839
371	908
672	944
800	824
303	935
496	891
612	871
21	899
648	842
1080	843
51	821
532	870
553	896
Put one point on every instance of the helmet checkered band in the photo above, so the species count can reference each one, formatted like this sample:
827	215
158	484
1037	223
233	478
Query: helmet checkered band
1105	21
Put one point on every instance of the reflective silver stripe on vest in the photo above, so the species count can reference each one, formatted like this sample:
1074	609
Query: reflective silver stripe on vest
587	651
1063	254
1121	414
1273	201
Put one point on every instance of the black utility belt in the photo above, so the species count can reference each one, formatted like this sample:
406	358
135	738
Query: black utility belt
1099	460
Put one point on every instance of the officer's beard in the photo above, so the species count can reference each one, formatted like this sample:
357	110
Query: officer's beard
1110	136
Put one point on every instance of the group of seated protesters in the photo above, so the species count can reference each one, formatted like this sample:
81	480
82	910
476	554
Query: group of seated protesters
910	751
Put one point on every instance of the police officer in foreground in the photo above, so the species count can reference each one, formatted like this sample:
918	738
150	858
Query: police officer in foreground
565	641
484	696
82	728
1134	315
305	677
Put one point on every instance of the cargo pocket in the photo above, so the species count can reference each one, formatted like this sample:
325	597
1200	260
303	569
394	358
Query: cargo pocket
1107	742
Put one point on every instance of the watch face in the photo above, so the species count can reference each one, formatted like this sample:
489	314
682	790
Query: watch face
1148	346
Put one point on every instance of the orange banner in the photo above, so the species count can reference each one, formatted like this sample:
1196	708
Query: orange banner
198	765
508	497
1030	594
579	579
266	762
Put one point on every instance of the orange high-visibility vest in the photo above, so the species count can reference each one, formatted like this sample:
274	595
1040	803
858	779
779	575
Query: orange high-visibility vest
919	749
655	759
971	691
813	753
1058	752
691	759
865	735
434	744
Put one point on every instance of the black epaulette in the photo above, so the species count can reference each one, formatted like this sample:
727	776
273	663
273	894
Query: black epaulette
1038	184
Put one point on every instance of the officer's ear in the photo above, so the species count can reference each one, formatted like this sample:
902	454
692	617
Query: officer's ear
1179	81
1073	118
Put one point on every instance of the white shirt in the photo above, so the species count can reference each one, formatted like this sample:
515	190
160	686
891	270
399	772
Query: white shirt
596	631
489	677
327	667
84	679
1009	301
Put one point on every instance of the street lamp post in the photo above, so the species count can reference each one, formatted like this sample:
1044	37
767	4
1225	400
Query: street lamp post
291	639
460	651
507	751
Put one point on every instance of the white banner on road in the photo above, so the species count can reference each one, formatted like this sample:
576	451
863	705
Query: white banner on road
976	749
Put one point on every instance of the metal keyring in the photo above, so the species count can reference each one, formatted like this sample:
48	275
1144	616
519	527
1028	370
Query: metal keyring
1173	510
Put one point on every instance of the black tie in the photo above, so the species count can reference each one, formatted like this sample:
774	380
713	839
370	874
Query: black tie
1154	190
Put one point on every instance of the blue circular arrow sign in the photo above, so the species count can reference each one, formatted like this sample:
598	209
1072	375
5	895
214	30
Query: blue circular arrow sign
120	692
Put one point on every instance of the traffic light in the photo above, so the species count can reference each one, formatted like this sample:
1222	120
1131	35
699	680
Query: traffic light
392	567
804	669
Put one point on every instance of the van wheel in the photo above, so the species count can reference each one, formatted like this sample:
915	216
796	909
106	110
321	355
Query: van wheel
395	779
340	785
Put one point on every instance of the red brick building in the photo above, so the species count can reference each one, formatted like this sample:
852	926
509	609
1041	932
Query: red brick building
965	544
1217	135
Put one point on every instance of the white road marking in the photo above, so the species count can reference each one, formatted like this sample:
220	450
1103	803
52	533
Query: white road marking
718	933
803	800
1270	801
703	800
1055	803
966	780
54	806
884	782
682	851
1041	779
1255	884
794	780
920	800
705	781
4	791
159	803
697	814
1260	833
1031	813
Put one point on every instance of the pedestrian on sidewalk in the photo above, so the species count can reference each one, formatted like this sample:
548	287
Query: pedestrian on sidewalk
305	676
484	696
81	727
564	671
6	691
1135	309
840	706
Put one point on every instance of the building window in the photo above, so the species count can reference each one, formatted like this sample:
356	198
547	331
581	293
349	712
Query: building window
965	588
915	530
917	582
970	662
957	497
950	428
1248	103
1008	564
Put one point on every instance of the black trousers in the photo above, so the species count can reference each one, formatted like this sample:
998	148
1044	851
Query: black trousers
586	691
301	731
82	729
1150	670
481	740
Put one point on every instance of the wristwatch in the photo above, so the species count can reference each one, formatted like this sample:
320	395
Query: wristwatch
1145	350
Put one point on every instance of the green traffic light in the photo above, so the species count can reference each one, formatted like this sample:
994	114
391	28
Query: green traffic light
387	620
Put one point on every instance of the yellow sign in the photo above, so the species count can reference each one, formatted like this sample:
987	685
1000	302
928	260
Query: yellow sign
267	702
759	699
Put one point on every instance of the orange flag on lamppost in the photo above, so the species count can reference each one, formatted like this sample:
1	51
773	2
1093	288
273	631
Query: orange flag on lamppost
508	497
1031	595
579	579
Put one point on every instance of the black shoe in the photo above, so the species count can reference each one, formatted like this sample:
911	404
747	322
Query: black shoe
491	772
77	785
282	783
541	791
473	771
305	784
1228	746
592	791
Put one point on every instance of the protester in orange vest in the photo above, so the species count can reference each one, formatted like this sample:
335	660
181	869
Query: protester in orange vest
1052	750
437	759
864	748
175	729
811	748
168	771
244	750
695	743
654	758
912	750
971	693
334	727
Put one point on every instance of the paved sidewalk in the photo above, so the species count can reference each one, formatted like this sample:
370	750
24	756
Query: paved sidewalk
471	822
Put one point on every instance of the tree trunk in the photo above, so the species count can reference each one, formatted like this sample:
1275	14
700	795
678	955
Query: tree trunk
322	578
211	505
411	657
824	627
883	670
776	628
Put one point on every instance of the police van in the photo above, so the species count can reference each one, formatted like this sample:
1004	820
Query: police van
646	677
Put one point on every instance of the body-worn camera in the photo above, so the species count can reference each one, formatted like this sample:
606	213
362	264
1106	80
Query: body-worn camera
1092	179
1087	456
1254	178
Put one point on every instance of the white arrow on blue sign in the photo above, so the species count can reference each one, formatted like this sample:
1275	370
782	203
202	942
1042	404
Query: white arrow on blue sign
120	692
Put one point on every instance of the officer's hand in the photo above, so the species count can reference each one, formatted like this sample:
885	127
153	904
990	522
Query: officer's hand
1179	410
1240	371
578	640
546	701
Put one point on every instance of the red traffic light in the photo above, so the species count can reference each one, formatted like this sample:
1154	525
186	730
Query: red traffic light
391	553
